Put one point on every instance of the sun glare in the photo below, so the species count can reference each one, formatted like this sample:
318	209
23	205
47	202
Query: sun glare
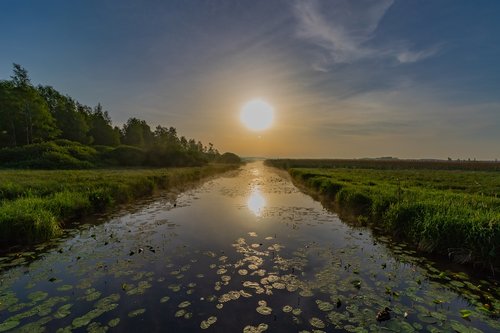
257	115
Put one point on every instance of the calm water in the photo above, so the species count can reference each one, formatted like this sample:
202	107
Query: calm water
243	252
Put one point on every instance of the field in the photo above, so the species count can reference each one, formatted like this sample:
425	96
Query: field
35	204
451	212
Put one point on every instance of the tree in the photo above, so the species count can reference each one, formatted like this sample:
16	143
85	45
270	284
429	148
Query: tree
24	113
101	129
8	110
69	120
137	132
20	77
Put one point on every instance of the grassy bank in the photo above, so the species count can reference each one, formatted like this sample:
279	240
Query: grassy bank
34	205
456	213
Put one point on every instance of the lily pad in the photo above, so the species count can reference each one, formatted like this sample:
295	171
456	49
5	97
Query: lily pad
180	313
263	309
38	296
255	329
184	304
316	322
63	311
136	313
114	322
207	323
8	325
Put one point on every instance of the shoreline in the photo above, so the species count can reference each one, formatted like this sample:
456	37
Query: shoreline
36	205
434	224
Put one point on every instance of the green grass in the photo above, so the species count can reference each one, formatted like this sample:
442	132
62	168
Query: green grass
455	213
34	204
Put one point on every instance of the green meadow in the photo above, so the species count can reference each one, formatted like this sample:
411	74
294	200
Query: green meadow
35	204
450	212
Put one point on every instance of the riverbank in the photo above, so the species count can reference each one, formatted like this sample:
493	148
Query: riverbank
453	213
35	204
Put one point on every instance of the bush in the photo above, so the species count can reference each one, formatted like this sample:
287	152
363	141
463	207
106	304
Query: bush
229	158
127	156
26	220
59	154
78	151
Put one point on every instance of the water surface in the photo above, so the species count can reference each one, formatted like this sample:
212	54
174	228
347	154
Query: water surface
244	252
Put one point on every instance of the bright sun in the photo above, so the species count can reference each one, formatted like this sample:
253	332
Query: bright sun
257	115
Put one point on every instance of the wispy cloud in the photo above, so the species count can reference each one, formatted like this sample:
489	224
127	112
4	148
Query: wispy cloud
344	31
414	56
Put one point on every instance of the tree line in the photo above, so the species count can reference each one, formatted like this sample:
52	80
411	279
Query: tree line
37	115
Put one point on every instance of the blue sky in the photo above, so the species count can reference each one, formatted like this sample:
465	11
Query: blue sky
411	79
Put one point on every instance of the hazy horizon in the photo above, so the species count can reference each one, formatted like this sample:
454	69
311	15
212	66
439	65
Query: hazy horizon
346	79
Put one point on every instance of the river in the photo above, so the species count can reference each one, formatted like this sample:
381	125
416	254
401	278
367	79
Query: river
243	252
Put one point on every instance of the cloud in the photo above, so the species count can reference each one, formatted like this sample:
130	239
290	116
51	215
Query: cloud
343	30
409	57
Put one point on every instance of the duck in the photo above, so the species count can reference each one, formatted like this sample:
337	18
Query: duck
384	314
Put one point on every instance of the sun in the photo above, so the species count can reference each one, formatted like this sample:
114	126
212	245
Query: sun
257	115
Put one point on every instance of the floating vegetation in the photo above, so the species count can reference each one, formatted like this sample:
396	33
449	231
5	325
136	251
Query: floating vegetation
316	322
63	311
207	323
8	325
136	313
91	295
175	287
263	309
255	329
180	313
184	304
221	271
65	287
324	306
38	296
114	322
287	308
164	299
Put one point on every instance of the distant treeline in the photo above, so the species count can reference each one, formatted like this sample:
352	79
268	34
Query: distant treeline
42	128
386	164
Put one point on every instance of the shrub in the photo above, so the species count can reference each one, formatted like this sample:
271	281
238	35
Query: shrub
127	156
60	154
229	158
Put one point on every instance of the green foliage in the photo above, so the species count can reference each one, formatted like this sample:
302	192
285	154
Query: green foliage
385	164
59	154
228	157
127	156
101	128
69	119
32	118
24	114
449	212
26	220
137	133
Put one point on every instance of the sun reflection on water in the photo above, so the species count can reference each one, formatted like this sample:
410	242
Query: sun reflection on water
256	202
